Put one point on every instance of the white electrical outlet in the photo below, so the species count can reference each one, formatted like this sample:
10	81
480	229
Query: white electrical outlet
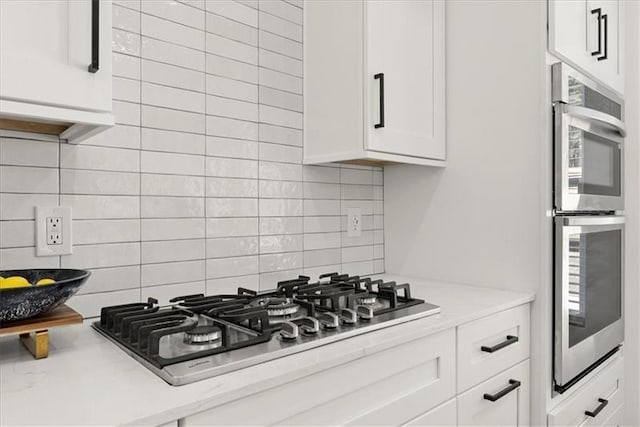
53	230
354	222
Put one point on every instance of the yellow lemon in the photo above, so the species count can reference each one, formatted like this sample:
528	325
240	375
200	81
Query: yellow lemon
45	282
14	282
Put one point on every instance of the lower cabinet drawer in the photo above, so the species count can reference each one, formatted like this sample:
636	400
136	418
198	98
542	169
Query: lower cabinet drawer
501	401
443	415
390	387
596	403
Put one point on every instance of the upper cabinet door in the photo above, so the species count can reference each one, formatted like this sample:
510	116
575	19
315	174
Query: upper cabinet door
588	34
46	49
405	77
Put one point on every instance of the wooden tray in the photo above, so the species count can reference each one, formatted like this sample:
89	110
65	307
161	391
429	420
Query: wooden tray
38	344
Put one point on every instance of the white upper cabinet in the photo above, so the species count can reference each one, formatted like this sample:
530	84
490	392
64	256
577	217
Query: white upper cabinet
588	35
55	66
374	82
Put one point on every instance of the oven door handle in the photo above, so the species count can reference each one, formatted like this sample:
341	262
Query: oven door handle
593	220
597	116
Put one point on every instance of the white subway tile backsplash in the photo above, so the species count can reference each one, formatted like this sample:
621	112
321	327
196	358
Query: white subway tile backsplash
172	141
276	244
25	258
171	185
21	206
280	153
174	11
171	163
102	255
170	53
172	229
173	250
231	227
125	19
229	267
280	190
102	207
279	26
233	108
18	152
230	29
277	62
125	42
233	10
99	158
280	171
280	225
126	113
179	99
278	80
226	208
230	88
283	10
280	135
168	119
232	247
171	75
281	99
88	232
231	49
224	67
231	168
171	207
282	45
280	207
20	179
179	34
125	66
231	128
126	89
231	187
173	272
74	181
200	186
228	147
17	234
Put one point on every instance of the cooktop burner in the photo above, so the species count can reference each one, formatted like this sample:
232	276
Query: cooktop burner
226	332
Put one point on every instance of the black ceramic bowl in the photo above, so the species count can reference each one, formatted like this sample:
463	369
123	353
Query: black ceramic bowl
29	301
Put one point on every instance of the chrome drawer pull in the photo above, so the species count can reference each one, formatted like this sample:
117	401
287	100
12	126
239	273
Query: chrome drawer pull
513	384
511	339
601	406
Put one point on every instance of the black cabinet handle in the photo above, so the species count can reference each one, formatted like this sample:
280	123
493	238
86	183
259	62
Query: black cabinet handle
95	37
510	340
606	42
513	384
380	76
601	406
598	11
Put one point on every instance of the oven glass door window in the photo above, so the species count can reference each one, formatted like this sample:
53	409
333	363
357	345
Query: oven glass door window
595	282
594	164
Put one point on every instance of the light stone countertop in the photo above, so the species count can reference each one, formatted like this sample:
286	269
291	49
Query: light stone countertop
87	380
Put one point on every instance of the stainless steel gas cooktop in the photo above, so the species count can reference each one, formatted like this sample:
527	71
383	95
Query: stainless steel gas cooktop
197	336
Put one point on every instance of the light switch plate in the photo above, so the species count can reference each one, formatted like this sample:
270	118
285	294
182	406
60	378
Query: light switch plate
53	230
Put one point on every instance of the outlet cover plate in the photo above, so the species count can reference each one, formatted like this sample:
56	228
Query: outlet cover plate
64	247
354	222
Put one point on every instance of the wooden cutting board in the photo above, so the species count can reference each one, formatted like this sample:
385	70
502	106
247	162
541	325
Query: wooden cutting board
39	346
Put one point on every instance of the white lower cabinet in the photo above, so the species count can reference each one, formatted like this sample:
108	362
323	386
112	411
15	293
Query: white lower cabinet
443	415
390	387
409	384
502	400
599	402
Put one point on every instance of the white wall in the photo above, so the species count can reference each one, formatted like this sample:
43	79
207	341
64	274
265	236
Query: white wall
632	157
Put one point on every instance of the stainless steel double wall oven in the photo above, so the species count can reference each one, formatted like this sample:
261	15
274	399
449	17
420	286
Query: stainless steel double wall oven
588	224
